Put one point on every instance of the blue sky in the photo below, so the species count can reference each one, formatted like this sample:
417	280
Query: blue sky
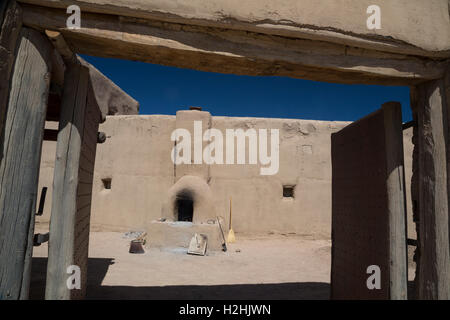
164	90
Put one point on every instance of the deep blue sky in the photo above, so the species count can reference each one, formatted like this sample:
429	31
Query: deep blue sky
164	90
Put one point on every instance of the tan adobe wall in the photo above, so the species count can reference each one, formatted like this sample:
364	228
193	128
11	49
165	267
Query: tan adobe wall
136	157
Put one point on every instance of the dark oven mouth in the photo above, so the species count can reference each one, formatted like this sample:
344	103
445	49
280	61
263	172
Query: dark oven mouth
184	206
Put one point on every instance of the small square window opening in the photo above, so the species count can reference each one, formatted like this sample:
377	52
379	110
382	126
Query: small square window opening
107	183
288	191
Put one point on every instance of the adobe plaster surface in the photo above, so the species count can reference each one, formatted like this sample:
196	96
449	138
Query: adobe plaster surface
136	157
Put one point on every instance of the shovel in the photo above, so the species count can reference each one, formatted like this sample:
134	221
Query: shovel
231	238
224	243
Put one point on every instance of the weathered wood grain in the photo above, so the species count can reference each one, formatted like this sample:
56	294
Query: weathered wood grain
434	262
446	104
73	175
61	46
415	27
84	191
231	51
396	201
65	181
10	25
415	193
19	166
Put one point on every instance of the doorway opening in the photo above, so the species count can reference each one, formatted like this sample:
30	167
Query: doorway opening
184	206
256	207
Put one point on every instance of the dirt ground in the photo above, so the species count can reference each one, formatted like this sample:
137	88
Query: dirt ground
266	267
269	267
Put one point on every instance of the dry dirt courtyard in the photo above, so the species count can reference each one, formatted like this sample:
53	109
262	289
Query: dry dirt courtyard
254	267
258	267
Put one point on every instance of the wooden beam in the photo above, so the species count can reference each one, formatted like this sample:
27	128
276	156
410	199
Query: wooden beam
405	29
73	180
58	69
396	204
61	46
415	179
434	262
65	181
73	175
231	51
446	103
84	191
21	145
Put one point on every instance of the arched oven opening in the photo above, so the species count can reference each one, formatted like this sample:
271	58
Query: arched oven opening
184	206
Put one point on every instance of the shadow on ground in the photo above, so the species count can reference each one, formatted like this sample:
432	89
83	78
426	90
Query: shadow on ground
98	268
275	291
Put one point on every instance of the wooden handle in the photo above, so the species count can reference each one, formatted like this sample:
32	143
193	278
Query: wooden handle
230	214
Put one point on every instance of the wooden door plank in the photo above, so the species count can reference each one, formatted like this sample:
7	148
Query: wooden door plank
19	167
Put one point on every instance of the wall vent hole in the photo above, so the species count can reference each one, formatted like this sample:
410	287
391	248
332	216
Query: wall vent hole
288	191
107	183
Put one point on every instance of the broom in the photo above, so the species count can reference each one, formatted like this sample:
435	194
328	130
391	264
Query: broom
231	238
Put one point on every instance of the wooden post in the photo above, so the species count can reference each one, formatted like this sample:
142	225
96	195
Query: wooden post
73	176
396	204
10	25
434	262
415	194
446	103
20	146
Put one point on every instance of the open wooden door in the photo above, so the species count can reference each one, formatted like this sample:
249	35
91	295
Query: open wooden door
368	208
23	109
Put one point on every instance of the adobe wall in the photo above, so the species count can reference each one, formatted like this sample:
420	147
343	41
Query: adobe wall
136	156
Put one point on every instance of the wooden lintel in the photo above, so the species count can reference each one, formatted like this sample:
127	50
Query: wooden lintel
232	51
